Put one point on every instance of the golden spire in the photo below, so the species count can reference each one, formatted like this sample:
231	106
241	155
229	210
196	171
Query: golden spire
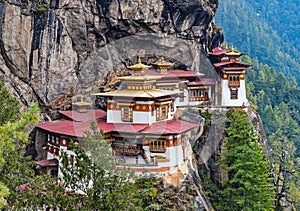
80	106
163	65
232	53
139	67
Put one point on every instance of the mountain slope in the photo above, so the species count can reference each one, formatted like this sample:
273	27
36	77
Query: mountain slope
282	16
244	28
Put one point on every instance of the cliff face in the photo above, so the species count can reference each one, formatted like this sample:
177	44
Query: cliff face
54	49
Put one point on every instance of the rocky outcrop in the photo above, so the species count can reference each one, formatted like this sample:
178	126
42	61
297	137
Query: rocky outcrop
54	49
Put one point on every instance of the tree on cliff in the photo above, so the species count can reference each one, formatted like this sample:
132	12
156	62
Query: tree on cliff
286	170
9	106
249	185
13	167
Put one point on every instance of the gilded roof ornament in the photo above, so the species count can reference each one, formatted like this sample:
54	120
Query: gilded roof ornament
163	63
80	106
232	53
139	66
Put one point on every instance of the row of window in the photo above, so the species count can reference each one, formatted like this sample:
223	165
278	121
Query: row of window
234	80
158	146
55	140
162	112
198	95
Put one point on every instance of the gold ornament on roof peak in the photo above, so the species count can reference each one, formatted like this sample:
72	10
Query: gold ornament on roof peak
163	65
139	67
80	106
232	53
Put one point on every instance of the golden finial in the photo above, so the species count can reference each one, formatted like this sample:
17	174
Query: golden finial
80	106
163	65
233	53
139	67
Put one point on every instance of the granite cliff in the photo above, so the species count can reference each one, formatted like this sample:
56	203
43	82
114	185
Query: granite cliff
54	49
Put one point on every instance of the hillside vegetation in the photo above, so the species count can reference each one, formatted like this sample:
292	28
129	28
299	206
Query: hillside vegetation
266	31
277	101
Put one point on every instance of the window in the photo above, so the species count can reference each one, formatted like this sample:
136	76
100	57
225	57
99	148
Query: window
234	80
198	95
152	110
162	112
158	146
127	114
181	95
234	94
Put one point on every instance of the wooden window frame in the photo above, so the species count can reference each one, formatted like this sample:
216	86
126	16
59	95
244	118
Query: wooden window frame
234	94
199	94
234	80
127	113
162	112
158	145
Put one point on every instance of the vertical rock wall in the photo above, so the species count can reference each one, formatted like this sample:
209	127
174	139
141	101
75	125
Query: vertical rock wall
47	46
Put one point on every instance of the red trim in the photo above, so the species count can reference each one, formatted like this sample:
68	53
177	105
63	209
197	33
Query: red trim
218	51
113	106
234	63
142	108
67	142
164	99
204	81
234	68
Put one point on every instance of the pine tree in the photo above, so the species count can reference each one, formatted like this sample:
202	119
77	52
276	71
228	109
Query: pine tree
9	110
249	185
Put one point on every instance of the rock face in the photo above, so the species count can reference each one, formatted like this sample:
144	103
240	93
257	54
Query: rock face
54	49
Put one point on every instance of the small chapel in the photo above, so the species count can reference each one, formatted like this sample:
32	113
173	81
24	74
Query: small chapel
142	121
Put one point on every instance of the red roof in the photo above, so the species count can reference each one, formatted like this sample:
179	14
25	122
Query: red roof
169	127
66	127
180	73
83	117
203	81
168	80
77	129
218	51
47	163
164	99
221	64
234	68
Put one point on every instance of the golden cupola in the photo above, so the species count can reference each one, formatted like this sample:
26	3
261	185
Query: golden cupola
139	68
233	55
163	65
